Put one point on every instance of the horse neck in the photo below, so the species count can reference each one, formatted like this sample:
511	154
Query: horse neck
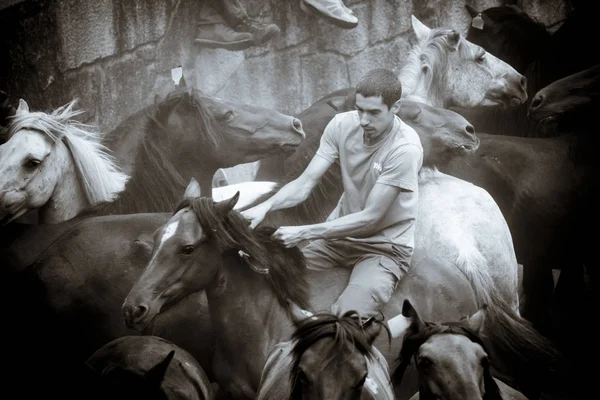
68	199
248	321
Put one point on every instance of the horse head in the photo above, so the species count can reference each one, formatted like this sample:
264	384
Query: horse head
331	354
451	360
444	69
199	247
444	134
573	95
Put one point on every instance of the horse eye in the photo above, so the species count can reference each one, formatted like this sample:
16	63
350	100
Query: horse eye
228	116
481	58
425	362
361	383
32	163
187	249
484	361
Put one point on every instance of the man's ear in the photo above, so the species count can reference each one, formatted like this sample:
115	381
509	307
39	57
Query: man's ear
396	106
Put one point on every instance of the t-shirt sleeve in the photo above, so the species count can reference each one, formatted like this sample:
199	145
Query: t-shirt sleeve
329	147
401	167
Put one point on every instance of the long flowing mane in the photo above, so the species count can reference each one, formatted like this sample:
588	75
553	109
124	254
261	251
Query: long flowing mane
414	338
345	331
99	174
156	183
286	267
433	53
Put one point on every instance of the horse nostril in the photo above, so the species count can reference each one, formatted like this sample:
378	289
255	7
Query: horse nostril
297	125
470	130
140	312
537	101
524	83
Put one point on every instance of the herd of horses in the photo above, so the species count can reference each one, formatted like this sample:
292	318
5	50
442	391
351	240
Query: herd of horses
138	279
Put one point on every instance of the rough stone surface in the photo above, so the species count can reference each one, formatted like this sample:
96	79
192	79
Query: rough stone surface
86	31
116	55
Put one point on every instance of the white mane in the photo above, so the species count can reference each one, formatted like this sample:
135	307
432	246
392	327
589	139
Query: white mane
101	178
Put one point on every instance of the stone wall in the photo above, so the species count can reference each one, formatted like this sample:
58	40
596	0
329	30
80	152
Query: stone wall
115	55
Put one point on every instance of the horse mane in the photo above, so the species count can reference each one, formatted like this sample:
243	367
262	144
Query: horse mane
416	336
101	177
433	53
232	234
346	332
155	184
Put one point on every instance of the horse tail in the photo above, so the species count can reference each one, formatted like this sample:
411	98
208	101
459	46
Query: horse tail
523	352
474	266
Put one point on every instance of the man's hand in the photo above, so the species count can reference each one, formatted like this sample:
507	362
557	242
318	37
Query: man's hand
255	214
291	236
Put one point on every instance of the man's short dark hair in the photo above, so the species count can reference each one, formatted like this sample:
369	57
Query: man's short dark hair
380	82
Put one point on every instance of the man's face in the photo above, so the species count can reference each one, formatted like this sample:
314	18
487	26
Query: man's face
375	116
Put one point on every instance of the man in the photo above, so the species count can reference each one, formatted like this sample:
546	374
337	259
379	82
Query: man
372	228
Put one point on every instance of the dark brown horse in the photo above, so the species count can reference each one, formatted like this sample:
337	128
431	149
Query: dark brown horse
145	367
327	357
451	358
571	102
249	277
54	164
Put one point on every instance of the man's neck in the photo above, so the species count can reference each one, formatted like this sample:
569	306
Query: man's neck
371	141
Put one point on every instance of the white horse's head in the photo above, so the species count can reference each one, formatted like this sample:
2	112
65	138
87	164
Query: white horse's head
47	159
444	70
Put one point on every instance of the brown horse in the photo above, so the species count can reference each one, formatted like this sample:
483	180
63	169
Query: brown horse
451	359
572	101
147	367
109	253
53	163
327	357
248	278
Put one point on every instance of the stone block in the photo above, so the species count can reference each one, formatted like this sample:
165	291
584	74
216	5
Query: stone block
389	18
125	89
213	69
322	73
86	30
271	81
384	55
346	41
139	21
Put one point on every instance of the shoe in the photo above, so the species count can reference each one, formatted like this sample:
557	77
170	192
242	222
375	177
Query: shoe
262	33
220	36
333	11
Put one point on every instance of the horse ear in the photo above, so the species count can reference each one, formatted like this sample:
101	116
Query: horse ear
409	312
23	107
420	29
156	374
227	205
453	39
475	321
472	12
193	190
298	314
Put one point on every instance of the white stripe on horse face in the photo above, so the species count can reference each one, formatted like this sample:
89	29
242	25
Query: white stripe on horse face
169	232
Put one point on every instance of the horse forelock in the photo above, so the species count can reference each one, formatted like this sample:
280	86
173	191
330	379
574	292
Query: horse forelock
101	178
232	234
433	53
346	335
206	126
